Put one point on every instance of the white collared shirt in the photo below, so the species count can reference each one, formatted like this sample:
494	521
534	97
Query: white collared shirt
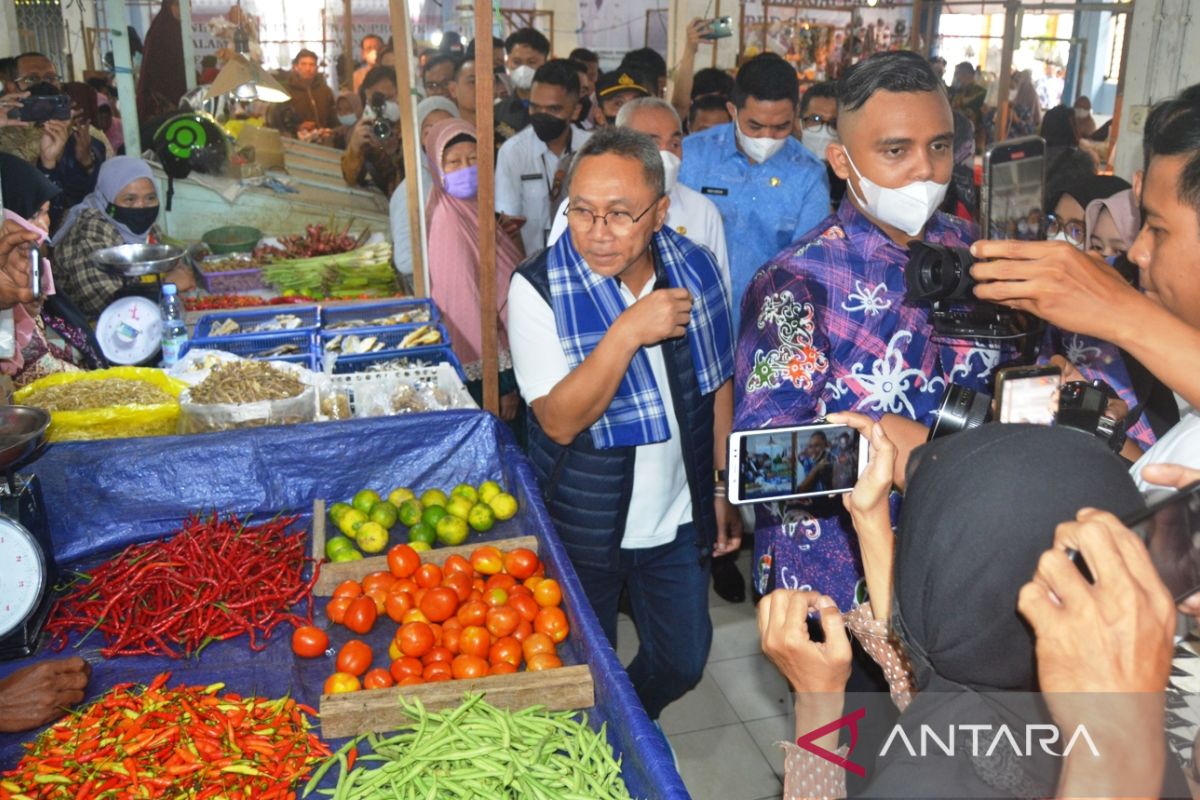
525	173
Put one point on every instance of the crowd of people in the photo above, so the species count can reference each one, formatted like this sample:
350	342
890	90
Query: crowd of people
733	257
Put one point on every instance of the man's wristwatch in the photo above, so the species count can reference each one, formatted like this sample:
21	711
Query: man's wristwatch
720	475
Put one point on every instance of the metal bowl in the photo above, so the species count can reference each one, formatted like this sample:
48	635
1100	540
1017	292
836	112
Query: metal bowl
22	431
135	260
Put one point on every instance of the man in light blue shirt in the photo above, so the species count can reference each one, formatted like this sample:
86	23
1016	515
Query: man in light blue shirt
769	189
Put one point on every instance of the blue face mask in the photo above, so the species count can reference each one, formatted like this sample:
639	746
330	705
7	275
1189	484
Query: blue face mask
462	183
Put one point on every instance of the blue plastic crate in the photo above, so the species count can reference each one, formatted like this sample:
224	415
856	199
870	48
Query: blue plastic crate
376	310
391	337
309	316
255	346
430	355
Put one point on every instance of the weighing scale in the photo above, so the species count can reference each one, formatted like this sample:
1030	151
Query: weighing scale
129	330
27	569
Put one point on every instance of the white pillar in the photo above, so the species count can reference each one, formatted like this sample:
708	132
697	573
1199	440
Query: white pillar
566	22
77	17
118	19
189	54
11	37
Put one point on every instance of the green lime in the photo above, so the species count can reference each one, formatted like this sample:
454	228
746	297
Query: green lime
432	515
385	514
465	490
422	533
420	547
337	509
452	530
459	506
505	506
372	537
364	500
481	518
410	512
488	490
398	496
350	521
347	555
433	497
337	544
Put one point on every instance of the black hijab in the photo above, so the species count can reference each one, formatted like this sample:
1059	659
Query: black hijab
23	186
1058	127
980	508
1086	188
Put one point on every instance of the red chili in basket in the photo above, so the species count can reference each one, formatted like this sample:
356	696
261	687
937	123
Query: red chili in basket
213	580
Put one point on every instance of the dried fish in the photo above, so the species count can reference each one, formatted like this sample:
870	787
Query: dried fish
399	318
239	382
81	395
281	350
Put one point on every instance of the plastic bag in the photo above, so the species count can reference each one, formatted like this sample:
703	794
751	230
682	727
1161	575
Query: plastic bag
113	422
208	417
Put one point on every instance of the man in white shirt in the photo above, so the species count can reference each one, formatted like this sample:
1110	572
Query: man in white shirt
621	337
532	166
690	214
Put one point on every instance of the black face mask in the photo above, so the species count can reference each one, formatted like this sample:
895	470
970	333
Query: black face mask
137	220
612	121
585	108
546	127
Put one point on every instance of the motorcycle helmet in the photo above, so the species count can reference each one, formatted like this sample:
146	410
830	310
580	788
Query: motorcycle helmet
191	141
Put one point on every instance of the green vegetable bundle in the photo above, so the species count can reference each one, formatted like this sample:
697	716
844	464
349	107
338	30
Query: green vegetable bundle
363	271
478	750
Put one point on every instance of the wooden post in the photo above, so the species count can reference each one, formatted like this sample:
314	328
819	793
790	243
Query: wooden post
914	30
1012	16
348	45
118	21
484	115
189	53
1119	102
410	138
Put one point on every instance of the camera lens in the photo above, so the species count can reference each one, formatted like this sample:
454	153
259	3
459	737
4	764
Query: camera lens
935	272
961	410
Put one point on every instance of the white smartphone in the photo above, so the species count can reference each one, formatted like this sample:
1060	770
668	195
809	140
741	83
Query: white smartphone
1028	394
794	462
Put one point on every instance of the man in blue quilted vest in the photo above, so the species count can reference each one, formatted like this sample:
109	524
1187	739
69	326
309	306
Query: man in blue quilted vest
621	337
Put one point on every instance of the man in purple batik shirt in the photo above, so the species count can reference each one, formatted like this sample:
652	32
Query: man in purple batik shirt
825	326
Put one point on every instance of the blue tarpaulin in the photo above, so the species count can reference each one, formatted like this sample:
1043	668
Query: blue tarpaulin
103	496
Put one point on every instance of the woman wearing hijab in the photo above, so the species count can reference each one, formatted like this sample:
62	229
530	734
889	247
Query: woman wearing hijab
430	111
46	335
163	78
110	124
348	107
1073	194
980	509
1026	112
122	210
453	230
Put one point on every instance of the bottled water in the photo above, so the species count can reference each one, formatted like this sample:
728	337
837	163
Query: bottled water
174	331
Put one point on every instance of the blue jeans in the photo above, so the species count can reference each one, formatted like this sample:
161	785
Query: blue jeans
668	592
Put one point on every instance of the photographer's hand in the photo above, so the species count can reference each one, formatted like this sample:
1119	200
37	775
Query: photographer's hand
1176	476
11	104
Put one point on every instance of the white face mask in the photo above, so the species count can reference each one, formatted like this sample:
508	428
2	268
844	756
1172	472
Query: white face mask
671	164
1082	113
1061	236
758	148
522	77
347	119
907	208
391	110
818	140
1012	95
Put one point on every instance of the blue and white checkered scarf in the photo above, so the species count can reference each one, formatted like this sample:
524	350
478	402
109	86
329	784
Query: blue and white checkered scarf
587	304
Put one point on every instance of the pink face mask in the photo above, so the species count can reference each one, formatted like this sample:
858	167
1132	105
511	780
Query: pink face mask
47	276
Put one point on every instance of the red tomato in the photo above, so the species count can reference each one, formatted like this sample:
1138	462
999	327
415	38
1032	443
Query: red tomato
378	580
543	661
507	650
439	603
520	589
414	638
410	680
499	581
503	668
487	560
405	667
414	615
348	589
457	565
437	671
437	653
495	597
309	641
537	643
502	621
467	667
378	678
452	637
524	629
547	593
340	682
472	612
428	575
452	624
397	604
354	658
361	615
405	585
553	623
520	563
474	641
379	595
335	609
524	605
402	560
461	585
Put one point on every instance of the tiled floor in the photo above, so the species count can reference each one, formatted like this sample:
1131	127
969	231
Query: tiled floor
723	730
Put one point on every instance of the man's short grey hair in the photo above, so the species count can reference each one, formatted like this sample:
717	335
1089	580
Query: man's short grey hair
642	104
628	143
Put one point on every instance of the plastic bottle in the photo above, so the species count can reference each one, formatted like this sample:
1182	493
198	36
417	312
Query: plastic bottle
174	331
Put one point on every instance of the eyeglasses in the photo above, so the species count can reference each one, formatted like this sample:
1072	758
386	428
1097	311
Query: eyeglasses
618	222
438	86
813	121
32	79
1073	228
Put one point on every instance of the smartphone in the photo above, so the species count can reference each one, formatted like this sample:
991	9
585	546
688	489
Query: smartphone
1028	394
35	271
1014	187
719	28
794	462
42	108
1170	529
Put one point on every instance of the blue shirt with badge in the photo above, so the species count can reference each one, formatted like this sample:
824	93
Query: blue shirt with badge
765	206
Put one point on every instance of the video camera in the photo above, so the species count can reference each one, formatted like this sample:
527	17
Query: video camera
941	276
381	126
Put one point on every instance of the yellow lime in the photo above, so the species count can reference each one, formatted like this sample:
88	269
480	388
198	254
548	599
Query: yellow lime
410	512
384	513
422	533
337	509
465	490
347	555
452	530
505	506
420	547
350	521
337	544
459	506
398	496
433	497
372	537
432	515
481	518
364	500
488	490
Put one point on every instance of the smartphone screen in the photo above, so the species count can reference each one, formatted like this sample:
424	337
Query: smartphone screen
799	461
1014	186
1029	394
1171	531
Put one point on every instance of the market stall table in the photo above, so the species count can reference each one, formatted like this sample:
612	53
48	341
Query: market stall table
103	496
